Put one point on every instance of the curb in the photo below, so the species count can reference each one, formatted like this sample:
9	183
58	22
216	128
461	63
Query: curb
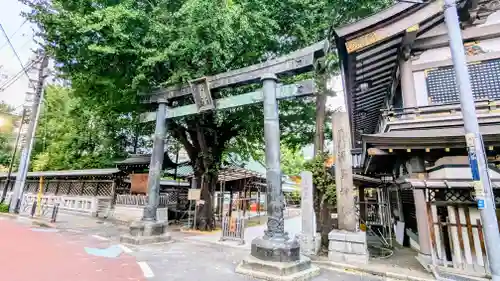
359	270
8	215
34	221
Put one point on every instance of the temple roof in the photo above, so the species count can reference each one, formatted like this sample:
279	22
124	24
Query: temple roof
142	161
369	51
69	173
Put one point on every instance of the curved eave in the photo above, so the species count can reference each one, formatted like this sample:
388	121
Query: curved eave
375	19
369	51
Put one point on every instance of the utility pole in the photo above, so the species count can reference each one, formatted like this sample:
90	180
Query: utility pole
28	144
475	146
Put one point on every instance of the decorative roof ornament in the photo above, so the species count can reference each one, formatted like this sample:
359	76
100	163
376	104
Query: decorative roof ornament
477	11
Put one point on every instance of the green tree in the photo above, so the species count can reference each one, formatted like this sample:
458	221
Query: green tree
7	137
292	160
71	135
325	196
110	50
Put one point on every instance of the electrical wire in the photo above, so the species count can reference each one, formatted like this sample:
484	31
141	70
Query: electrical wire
15	52
17	76
13	34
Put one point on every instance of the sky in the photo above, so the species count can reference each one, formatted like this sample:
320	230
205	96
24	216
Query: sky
22	41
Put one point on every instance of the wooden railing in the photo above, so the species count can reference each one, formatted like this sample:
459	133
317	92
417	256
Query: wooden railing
93	206
442	115
141	200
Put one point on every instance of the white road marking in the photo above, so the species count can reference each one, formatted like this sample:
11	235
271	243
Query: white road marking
125	249
146	270
100	238
74	231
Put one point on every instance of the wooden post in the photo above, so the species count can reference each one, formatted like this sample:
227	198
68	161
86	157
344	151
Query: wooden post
82	188
57	187
230	213
343	172
96	192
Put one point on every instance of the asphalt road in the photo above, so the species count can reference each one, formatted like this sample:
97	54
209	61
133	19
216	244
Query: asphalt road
44	254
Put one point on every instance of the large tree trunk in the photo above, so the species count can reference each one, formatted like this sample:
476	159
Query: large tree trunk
204	142
205	220
319	137
319	147
322	209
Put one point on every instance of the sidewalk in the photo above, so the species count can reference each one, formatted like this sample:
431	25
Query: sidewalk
45	254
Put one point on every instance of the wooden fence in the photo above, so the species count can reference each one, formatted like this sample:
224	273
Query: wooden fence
457	232
77	187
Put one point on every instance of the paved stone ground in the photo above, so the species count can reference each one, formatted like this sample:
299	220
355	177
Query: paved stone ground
185	259
292	226
189	260
44	254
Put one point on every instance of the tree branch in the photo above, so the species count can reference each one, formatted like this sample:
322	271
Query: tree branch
180	133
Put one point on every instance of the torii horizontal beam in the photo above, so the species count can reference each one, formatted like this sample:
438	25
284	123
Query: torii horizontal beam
296	62
302	88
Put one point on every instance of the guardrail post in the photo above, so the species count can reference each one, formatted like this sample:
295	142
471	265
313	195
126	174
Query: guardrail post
55	210
33	209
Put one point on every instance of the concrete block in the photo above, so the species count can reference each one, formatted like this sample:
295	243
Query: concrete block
338	246
352	249
338	235
359	249
357	237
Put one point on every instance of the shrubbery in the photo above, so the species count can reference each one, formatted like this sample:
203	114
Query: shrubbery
4	208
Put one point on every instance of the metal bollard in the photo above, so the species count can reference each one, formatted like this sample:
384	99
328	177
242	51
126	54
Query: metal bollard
33	209
55	210
18	206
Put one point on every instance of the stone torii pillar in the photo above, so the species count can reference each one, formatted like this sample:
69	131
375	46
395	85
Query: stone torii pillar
275	256
149	229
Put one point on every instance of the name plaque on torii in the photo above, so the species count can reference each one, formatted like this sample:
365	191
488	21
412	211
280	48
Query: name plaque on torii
202	96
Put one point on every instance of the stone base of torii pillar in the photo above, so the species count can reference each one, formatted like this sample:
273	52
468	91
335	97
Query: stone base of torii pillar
275	260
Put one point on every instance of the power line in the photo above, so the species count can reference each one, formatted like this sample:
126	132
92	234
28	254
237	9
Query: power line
16	77
15	52
13	34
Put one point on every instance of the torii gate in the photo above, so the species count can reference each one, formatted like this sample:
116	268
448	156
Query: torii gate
275	245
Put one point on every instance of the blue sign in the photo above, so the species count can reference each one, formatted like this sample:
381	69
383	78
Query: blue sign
474	167
480	204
